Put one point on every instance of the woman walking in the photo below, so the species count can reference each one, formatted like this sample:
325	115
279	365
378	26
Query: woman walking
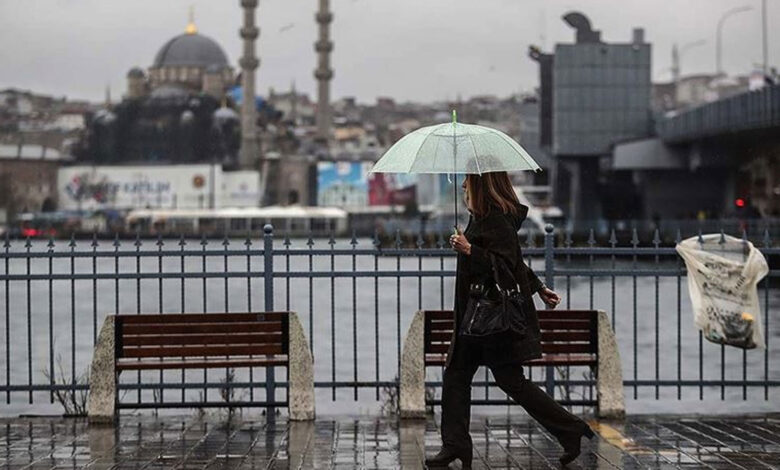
496	215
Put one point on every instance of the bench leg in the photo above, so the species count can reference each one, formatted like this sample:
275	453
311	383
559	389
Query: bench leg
609	378
301	373
101	406
412	392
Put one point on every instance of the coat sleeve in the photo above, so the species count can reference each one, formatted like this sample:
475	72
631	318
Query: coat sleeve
500	239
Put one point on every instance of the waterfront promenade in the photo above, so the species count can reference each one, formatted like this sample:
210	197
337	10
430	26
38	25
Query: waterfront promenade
211	441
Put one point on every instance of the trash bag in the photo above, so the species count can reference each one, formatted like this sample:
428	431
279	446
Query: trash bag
723	272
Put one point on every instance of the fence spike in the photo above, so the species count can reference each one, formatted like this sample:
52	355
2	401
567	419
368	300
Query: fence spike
419	242
225	241
353	241
287	241
182	241
248	242
613	238
678	236
767	239
50	245
656	238
203	241
592	238
27	243
634	238
116	243
94	239
722	239
332	239
440	241
700	238
397	238
310	241
567	239
375	241
160	242
137	239
72	243
7	242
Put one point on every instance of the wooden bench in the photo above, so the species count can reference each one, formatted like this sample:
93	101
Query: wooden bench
569	338
200	341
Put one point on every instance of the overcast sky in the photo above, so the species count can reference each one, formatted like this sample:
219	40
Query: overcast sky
420	50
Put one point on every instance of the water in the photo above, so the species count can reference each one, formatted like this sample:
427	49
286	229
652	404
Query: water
355	337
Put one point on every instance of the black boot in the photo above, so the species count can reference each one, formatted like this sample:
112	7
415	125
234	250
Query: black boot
448	455
571	445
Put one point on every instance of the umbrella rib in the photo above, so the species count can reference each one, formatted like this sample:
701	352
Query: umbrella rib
532	163
476	157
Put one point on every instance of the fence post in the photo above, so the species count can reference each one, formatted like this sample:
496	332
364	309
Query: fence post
549	258
268	290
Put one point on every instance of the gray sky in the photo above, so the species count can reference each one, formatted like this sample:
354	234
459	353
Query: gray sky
408	49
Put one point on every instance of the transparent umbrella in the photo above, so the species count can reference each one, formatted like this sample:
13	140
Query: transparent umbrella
455	148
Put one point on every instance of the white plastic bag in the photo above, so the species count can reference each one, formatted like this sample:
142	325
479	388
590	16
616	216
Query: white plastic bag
723	272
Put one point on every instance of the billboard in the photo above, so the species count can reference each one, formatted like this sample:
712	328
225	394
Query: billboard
350	184
147	186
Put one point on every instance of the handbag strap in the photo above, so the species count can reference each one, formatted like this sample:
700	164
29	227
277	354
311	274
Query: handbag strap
494	265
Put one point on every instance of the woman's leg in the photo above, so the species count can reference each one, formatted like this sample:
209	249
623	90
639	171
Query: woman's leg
537	403
456	407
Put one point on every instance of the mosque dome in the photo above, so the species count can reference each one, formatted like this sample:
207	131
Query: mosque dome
191	49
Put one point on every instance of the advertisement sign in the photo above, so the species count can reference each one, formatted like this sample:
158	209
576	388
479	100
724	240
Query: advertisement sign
349	184
165	186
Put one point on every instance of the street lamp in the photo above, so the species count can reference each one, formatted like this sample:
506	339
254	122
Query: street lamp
733	11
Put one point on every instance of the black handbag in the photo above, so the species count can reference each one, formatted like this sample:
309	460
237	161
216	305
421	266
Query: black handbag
493	311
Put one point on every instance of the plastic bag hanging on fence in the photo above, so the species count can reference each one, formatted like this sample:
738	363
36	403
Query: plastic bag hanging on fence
723	273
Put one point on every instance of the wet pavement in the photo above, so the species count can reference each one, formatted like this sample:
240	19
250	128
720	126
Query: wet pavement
214	442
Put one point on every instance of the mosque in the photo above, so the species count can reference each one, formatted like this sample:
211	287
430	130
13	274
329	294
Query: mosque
181	109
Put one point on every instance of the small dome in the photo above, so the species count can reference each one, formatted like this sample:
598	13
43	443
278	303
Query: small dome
192	50
224	114
136	72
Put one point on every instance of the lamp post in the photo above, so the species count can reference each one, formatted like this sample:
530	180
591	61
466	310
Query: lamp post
677	54
764	47
719	32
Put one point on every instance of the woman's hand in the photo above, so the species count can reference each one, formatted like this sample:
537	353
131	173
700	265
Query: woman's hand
549	297
460	243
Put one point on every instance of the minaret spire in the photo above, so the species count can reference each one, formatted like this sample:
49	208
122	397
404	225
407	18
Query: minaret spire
191	28
250	150
323	73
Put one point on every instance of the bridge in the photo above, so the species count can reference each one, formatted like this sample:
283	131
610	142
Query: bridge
749	114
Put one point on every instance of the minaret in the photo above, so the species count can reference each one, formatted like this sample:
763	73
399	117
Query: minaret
323	73
250	150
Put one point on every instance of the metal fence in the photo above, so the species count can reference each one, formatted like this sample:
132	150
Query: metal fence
355	298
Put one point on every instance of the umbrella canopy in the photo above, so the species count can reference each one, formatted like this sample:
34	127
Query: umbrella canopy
455	148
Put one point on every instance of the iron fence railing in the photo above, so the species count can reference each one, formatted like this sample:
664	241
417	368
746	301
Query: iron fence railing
355	298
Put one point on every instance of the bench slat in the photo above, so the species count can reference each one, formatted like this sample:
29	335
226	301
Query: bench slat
437	347
198	351
560	360
198	339
183	328
566	314
563	336
201	364
438	325
436	336
583	325
439	315
201	317
568	348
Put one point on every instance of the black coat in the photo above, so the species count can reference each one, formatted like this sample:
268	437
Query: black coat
495	233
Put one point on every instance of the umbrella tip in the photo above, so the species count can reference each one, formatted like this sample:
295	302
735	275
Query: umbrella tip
454	116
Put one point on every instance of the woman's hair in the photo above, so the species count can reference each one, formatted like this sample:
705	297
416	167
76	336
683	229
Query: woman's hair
491	191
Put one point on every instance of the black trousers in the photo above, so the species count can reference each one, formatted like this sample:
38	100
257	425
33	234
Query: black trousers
456	404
